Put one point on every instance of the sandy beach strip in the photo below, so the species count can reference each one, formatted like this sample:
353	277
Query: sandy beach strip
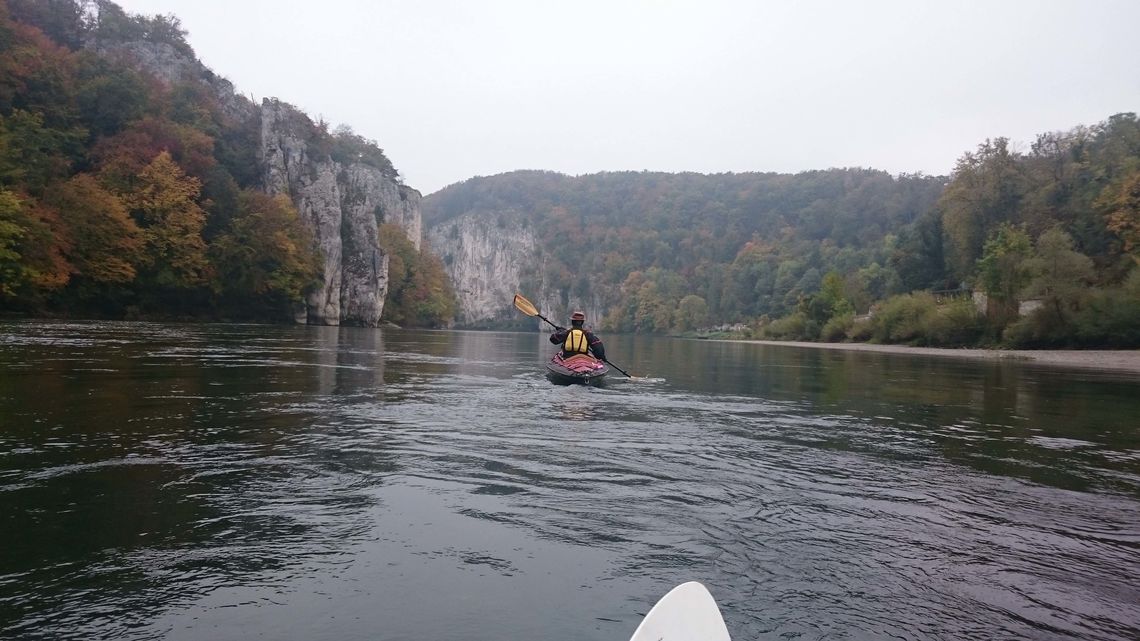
1102	359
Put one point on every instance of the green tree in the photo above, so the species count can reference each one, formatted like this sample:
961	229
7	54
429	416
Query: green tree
109	96
692	313
114	26
986	190
349	147
12	273
1122	205
33	154
918	255
1111	316
1003	271
654	311
432	297
834	295
1060	277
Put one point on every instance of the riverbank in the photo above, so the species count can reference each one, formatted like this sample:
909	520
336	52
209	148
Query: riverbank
1100	359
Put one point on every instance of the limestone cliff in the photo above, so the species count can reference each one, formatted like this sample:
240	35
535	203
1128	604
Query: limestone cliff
343	205
486	263
171	66
342	202
491	256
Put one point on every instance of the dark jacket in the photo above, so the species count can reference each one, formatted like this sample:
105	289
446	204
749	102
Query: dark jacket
592	341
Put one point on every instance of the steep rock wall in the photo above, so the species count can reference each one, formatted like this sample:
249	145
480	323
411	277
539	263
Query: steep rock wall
343	205
369	191
171	66
491	256
486	263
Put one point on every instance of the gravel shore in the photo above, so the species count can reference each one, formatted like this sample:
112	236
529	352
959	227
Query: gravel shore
1102	359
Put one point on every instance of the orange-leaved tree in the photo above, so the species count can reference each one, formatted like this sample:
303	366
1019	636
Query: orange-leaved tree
31	259
164	203
103	244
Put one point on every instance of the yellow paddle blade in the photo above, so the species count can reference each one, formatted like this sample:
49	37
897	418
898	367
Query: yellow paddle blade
525	306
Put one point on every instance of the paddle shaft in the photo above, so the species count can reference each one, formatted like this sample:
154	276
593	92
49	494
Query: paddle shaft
617	368
548	321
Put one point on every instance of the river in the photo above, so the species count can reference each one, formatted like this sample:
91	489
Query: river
193	482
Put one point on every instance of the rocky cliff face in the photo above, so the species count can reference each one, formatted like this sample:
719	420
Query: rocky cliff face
343	204
486	261
489	258
171	66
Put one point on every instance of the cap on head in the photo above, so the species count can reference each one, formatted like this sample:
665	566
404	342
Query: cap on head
578	316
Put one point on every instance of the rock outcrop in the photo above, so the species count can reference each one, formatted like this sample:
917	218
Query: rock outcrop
342	203
491	256
486	261
171	66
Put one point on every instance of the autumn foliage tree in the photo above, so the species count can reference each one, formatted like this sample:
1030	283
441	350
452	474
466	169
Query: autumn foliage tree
104	243
1123	215
31	255
265	261
419	292
126	193
163	203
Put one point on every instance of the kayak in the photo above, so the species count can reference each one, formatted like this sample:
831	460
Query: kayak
687	613
579	368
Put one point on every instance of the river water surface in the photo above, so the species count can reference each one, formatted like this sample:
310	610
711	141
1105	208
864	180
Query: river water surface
236	481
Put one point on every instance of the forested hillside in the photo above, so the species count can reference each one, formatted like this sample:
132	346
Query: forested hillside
730	246
802	256
133	188
136	189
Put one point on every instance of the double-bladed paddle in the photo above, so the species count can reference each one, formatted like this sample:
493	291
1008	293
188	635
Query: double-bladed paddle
528	308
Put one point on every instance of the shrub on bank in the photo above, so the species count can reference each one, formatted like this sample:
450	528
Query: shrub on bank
793	327
1040	328
955	323
901	319
861	330
918	319
1111	316
1108	317
835	330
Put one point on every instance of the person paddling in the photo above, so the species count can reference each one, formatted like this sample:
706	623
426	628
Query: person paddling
577	339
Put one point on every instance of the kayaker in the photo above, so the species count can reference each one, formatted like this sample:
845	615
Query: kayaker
577	339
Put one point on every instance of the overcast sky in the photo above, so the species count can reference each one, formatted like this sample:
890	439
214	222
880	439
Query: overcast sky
457	89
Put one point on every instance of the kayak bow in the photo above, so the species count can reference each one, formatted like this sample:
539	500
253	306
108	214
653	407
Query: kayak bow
687	613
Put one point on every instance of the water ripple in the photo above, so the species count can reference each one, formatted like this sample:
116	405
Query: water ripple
236	481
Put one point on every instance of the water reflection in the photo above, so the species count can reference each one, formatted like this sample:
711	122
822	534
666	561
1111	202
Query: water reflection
147	454
997	416
191	482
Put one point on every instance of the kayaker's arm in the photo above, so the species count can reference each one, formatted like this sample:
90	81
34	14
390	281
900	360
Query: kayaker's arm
596	346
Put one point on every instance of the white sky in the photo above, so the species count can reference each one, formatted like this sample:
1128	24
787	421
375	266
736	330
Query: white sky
455	89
